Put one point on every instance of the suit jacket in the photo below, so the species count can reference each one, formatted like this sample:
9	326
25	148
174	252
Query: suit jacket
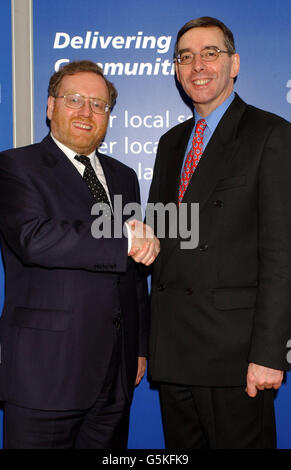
228	302
66	292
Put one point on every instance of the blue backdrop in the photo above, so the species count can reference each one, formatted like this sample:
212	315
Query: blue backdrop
134	42
6	129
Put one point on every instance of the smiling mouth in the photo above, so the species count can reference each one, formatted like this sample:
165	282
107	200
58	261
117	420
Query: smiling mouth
201	82
82	125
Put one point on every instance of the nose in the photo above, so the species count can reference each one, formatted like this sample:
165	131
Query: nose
197	64
86	110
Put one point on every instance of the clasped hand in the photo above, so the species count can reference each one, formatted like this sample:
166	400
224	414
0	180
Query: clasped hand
145	246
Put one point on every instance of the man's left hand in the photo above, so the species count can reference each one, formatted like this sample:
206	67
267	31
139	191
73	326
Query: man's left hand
141	368
260	378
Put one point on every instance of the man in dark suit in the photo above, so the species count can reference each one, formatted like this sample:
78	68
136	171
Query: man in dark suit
74	324
221	312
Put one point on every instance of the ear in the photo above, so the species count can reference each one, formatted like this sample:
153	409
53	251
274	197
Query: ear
177	72
235	66
50	107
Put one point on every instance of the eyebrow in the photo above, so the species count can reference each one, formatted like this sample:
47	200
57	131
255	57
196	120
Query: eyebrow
72	92
186	49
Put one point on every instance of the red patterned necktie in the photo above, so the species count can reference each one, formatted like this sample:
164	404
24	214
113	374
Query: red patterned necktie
192	159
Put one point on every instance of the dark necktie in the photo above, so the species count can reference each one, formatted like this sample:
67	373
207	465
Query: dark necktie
93	182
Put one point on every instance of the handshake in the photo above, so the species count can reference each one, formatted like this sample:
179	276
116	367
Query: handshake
145	246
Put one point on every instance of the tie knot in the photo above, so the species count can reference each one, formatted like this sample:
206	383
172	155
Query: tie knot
83	159
200	126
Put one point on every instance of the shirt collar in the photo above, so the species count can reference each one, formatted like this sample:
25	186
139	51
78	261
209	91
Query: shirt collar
69	152
213	118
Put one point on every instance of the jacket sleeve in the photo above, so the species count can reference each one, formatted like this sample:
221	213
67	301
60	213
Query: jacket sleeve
143	300
38	238
272	322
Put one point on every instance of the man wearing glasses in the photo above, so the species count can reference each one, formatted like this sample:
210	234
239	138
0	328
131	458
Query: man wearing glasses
74	325
221	312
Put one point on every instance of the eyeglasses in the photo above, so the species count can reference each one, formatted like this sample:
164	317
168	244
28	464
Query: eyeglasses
76	101
208	54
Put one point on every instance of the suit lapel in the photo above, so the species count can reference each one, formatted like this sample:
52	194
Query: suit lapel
65	174
212	167
215	159
113	183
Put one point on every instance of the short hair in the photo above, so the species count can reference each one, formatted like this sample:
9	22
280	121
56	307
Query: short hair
207	22
75	67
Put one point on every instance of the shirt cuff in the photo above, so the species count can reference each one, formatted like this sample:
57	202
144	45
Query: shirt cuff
129	237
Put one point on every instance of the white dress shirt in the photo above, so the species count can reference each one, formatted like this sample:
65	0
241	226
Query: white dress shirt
81	168
98	170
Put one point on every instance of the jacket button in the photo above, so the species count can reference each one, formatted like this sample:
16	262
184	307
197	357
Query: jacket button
117	322
189	291
203	247
161	287
218	203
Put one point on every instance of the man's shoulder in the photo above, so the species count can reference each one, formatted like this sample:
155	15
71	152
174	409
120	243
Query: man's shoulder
264	115
24	150
15	156
261	119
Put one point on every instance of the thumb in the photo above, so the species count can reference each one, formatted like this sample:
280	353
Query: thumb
251	389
